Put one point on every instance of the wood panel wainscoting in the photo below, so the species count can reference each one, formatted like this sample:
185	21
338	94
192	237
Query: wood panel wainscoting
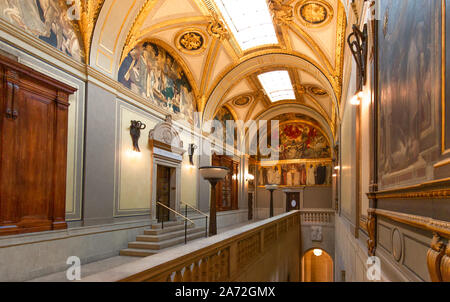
401	205
243	254
33	149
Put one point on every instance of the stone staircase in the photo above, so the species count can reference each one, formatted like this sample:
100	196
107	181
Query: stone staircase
156	239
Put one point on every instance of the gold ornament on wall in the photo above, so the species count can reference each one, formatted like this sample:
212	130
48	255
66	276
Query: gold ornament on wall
314	13
191	41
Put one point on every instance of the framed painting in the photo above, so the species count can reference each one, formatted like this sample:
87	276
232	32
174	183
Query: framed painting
409	79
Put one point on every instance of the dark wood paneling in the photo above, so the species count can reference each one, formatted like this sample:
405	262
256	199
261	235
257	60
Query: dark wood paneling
33	150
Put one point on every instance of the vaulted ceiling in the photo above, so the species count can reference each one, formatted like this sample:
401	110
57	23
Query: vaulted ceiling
311	48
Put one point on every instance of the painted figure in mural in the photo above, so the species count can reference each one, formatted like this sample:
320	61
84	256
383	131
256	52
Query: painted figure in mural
153	73
300	141
311	178
45	19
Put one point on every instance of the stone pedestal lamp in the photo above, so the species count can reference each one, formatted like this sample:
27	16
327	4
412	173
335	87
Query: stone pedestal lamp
213	174
271	188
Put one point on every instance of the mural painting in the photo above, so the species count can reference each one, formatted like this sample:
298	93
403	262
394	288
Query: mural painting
46	20
302	173
305	157
410	89
153	73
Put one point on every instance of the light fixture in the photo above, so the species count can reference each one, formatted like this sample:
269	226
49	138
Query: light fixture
249	21
278	85
317	252
250	177
337	168
271	188
358	43
135	132
357	98
213	174
191	151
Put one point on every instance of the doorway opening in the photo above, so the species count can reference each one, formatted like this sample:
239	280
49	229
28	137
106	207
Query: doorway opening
317	266
165	192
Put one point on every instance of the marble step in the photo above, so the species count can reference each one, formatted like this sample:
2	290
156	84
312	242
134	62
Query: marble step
168	229
166	243
137	252
167	224
168	235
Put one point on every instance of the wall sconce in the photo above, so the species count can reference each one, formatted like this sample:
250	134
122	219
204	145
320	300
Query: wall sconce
250	177
191	151
358	42
135	132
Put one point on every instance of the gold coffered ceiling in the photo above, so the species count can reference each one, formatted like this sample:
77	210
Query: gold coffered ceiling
197	32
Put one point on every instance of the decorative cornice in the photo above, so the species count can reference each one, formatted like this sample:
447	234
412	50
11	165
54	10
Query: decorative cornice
438	189
426	223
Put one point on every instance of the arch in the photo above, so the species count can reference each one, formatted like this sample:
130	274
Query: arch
317	268
255	64
294	108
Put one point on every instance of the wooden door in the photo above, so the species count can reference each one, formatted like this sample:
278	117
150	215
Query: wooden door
33	150
163	195
250	206
292	201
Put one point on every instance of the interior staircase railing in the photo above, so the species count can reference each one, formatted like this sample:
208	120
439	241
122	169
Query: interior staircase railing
198	211
186	220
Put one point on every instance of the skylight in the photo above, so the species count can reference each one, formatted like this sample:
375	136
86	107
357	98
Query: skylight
277	85
250	22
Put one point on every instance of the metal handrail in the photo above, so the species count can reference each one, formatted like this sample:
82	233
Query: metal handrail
175	212
195	209
206	216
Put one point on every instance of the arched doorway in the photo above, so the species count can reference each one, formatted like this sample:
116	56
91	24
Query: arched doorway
317	266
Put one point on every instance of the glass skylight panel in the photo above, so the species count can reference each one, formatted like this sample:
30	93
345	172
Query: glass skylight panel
277	85
250	22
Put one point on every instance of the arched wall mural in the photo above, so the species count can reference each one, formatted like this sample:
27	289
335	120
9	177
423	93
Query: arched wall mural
304	156
47	20
150	71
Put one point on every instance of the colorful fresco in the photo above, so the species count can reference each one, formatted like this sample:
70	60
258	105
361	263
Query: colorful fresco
46	20
296	174
153	73
299	140
410	89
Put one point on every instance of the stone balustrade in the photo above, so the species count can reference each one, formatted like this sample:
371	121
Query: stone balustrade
317	216
267	250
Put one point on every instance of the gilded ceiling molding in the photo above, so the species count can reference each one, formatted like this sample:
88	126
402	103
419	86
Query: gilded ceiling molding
208	66
89	12
134	34
267	52
314	13
282	14
217	29
341	26
191	41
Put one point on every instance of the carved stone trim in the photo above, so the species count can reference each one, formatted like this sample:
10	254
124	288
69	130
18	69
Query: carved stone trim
438	189
436	226
434	256
165	136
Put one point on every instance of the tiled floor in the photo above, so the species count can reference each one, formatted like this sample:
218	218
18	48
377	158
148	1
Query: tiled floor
99	266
